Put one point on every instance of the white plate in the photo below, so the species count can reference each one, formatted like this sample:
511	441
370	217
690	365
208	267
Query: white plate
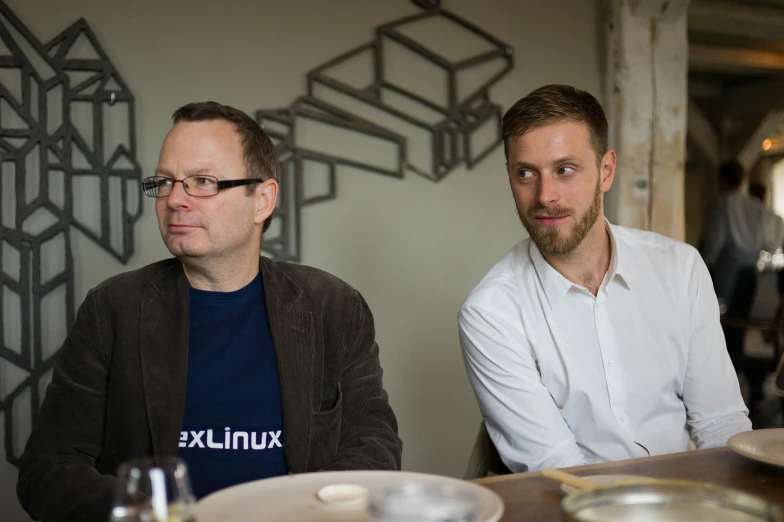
766	446
294	498
605	480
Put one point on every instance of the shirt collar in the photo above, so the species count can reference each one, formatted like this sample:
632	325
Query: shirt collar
620	252
556	285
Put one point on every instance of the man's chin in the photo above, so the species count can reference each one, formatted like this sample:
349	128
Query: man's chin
185	251
546	232
548	239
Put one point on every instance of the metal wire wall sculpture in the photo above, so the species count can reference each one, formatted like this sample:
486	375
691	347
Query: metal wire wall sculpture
450	122
47	159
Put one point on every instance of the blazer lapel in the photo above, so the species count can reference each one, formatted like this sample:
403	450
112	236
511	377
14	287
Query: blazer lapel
293	338
164	319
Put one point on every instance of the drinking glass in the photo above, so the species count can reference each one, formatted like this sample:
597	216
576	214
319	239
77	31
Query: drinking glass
417	502
153	490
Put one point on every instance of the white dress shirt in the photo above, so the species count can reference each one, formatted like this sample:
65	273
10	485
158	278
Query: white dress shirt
564	378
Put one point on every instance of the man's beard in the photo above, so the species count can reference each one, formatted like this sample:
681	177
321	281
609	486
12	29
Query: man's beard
549	239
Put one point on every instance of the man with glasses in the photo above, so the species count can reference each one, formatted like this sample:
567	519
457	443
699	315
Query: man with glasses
244	367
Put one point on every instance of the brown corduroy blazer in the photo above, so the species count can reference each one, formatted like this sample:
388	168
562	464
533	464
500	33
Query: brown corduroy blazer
118	389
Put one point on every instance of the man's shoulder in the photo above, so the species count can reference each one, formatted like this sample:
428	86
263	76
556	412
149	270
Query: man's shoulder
501	281
313	281
122	293
653	240
134	280
656	249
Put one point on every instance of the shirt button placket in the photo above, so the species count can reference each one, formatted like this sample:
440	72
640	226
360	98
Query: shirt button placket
607	352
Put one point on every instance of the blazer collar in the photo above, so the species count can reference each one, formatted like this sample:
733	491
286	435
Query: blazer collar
299	360
163	349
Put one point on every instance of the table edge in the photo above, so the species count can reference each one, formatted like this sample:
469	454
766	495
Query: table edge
600	466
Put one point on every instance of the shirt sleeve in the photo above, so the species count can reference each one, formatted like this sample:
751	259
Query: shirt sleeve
711	393
522	419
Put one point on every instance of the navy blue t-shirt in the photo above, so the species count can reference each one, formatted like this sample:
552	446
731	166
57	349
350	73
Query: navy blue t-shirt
232	431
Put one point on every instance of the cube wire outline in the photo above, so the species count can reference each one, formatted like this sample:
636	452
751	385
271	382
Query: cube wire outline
450	137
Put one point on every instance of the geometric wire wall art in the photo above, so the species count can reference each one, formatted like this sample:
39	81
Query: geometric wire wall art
417	95
68	145
68	156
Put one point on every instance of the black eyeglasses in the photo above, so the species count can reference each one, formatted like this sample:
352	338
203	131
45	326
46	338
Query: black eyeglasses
196	186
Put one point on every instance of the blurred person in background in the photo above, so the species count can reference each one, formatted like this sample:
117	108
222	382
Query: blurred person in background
740	226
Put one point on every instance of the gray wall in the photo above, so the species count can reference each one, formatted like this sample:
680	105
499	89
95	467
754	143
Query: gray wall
412	247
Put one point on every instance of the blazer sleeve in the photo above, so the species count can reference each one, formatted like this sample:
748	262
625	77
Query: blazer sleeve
58	480
368	432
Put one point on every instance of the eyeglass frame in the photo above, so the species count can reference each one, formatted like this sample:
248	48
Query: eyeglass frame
221	184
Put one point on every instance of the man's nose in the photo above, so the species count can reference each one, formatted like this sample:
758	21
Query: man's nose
548	191
178	197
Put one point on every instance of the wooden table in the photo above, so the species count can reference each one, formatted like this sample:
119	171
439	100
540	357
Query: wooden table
530	497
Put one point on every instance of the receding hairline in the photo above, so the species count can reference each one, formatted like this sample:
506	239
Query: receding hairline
219	120
235	131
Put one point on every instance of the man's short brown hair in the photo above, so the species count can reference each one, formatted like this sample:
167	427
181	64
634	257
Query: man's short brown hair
552	104
261	160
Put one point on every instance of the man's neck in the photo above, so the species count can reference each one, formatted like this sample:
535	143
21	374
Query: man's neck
221	275
587	264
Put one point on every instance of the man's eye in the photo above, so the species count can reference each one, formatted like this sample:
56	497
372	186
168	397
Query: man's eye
525	173
165	182
204	181
565	170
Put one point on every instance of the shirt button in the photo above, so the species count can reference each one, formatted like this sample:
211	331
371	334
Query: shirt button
610	364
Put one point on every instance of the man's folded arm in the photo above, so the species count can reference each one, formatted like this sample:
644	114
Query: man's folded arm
522	418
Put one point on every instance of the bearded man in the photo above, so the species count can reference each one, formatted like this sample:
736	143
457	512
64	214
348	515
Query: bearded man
590	342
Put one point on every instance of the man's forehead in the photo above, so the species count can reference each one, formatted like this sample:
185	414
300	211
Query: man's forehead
200	147
568	128
203	138
572	133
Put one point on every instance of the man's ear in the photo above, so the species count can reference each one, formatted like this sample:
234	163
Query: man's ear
607	170
266	197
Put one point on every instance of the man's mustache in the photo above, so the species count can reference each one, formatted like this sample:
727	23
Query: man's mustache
550	212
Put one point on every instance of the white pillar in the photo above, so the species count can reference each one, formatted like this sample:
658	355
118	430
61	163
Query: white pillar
647	66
